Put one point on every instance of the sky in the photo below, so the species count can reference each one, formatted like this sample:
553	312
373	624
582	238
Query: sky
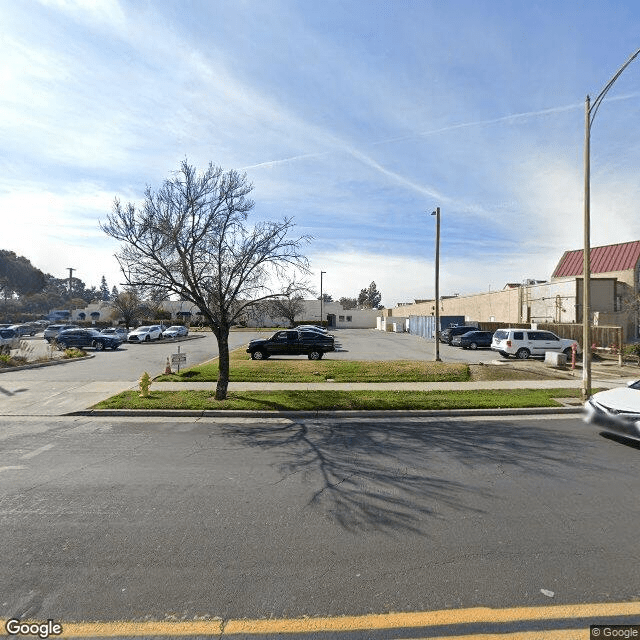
356	118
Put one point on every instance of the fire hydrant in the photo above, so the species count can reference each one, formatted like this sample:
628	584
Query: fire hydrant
145	383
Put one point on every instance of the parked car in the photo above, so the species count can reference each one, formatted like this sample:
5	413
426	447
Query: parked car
524	343
473	339
115	331
291	342
145	334
616	410
25	329
83	338
312	327
54	329
176	331
9	339
447	335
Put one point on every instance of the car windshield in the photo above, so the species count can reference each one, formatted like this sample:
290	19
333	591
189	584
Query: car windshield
174	328
635	385
143	328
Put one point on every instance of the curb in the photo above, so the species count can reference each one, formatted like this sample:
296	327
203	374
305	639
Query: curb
374	413
52	363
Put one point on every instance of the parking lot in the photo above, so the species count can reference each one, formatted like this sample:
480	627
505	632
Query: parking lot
351	344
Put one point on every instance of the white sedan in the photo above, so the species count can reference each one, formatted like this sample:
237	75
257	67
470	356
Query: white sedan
176	331
616	410
145	334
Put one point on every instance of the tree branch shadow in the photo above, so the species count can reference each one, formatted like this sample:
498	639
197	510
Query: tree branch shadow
394	475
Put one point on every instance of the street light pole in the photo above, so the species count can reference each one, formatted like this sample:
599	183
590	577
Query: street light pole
321	296
436	213
586	260
590	113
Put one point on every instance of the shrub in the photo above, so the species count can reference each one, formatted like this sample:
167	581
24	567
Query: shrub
74	353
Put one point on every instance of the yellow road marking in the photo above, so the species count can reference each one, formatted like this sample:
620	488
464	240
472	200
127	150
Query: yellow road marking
364	622
564	634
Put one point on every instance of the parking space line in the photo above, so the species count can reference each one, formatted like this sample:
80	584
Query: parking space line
37	452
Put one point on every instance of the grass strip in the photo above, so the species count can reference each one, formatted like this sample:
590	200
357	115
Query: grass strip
243	369
341	400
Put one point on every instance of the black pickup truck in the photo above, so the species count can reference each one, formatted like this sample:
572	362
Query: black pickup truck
292	342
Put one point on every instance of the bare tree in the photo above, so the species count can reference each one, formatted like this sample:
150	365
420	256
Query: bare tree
191	238
287	308
348	303
128	306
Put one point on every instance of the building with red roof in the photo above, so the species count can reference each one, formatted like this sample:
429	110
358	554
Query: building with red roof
615	278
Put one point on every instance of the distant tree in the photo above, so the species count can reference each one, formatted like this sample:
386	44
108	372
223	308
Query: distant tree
105	296
191	238
155	296
326	297
348	303
114	292
128	306
370	297
19	276
287	308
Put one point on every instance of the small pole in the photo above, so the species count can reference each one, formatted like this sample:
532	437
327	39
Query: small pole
436	213
178	358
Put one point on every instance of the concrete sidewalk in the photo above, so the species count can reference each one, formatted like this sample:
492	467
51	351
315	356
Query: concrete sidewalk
381	386
23	397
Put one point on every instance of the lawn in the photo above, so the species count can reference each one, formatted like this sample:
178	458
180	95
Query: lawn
243	369
340	400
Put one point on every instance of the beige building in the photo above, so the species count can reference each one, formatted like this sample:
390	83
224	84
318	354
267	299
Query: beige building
615	276
185	312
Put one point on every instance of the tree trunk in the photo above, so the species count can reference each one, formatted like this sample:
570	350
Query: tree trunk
223	363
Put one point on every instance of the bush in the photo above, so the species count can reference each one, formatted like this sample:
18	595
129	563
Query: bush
74	353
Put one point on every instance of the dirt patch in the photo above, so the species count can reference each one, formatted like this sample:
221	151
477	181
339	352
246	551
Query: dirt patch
518	370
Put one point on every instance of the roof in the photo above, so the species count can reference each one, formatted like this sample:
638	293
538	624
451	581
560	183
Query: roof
612	257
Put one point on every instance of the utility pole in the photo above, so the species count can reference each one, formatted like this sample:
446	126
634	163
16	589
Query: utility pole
321	297
436	213
71	270
591	108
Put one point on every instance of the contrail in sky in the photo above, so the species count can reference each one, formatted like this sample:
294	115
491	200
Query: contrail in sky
512	117
462	125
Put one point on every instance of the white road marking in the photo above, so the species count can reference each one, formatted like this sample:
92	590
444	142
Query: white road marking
37	452
12	468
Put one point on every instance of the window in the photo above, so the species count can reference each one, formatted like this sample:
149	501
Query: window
348	318
341	318
518	335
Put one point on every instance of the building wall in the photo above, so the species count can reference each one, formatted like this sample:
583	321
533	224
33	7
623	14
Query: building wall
493	306
559	301
349	319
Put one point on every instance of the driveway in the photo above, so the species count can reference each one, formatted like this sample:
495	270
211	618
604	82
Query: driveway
74	386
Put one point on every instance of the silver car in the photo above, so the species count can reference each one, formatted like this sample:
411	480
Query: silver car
616	410
53	330
176	331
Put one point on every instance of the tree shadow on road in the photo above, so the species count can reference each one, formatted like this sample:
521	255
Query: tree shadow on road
393	475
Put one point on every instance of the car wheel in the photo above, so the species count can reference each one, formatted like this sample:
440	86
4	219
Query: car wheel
504	354
147	338
315	355
473	346
98	345
258	355
567	352
523	354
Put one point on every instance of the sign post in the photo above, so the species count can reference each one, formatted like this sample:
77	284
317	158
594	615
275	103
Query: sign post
178	358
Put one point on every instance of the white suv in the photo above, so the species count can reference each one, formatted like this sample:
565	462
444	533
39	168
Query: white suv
523	343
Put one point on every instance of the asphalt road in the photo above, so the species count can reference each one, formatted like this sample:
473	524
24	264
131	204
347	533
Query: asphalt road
147	519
